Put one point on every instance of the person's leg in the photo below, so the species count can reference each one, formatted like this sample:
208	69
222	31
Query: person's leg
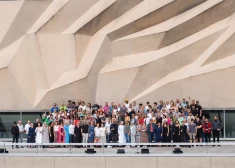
217	135
214	136
17	140
13	140
206	137
209	137
149	137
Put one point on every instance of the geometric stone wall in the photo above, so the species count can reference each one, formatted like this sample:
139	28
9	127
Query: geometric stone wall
109	50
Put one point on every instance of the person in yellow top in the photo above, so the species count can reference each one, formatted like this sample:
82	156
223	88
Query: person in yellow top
127	118
63	107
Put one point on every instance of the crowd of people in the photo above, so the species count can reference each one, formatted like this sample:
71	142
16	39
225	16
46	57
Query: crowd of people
170	121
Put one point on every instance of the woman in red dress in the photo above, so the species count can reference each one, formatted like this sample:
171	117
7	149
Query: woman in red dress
61	133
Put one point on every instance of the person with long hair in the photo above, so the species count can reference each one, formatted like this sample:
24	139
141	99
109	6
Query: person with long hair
143	133
56	132
39	134
66	132
51	132
165	132
61	133
177	132
45	134
91	133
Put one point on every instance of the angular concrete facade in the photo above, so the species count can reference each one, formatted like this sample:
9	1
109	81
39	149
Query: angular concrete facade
107	50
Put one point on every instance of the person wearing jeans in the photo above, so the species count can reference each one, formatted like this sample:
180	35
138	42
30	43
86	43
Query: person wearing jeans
21	131
71	132
127	132
207	131
15	134
151	131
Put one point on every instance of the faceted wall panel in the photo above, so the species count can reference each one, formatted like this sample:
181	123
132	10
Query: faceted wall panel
109	50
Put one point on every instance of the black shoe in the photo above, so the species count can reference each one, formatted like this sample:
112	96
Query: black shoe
218	145
213	145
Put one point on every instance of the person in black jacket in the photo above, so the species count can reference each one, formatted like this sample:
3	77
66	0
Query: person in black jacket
183	132
15	134
216	127
114	131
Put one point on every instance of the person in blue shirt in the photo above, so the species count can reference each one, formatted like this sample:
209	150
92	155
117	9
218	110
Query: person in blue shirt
54	108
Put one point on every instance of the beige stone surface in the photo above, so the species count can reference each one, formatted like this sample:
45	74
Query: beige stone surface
205	19
210	85
29	12
223	162
184	162
11	92
166	12
81	162
137	162
136	45
167	64
225	50
2	161
29	162
107	50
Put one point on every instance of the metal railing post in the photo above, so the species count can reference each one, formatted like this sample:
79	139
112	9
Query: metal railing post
4	148
103	147
70	148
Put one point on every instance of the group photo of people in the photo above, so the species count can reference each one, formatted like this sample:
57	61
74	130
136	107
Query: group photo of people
157	122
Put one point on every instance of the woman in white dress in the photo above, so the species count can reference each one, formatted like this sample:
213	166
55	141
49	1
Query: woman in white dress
39	134
121	136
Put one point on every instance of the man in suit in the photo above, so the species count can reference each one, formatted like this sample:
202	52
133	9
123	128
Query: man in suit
151	131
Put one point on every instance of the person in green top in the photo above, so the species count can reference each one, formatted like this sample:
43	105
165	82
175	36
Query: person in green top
45	119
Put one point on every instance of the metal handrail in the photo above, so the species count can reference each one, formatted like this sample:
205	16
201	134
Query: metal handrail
117	144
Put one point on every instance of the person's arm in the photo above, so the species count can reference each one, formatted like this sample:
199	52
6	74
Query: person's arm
201	112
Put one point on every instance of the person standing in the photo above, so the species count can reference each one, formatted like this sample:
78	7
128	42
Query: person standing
45	134
121	135
216	126
102	134
71	133
36	123
39	134
192	131
15	134
114	131
127	132
207	131
143	133
177	132
199	130
78	133
158	132
66	132
21	131
107	131
151	131
165	132
183	132
91	133
133	132
84	131
31	134
26	128
97	133
51	132
56	132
